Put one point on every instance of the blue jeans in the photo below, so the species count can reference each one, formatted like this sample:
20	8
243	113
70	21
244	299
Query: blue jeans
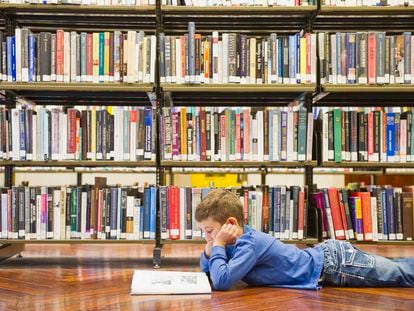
346	265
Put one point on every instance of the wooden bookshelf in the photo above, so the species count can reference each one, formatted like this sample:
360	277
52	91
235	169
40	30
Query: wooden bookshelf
76	163
71	8
75	241
356	88
239	88
363	10
76	87
184	10
371	165
304	241
237	164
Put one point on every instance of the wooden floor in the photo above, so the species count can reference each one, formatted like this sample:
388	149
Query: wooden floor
98	277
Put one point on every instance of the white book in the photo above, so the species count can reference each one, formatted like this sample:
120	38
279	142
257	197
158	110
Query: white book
151	282
66	56
225	52
18	42
152	60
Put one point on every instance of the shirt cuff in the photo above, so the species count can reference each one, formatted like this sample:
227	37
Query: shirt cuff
218	250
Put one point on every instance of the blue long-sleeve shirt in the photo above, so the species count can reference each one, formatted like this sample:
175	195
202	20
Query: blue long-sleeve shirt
260	260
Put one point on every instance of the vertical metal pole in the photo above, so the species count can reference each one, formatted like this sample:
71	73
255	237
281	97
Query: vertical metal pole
9	171
159	168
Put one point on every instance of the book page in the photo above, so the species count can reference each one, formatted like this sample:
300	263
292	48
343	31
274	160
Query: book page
150	282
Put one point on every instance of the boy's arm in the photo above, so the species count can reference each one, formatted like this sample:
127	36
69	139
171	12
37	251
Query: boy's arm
225	272
204	262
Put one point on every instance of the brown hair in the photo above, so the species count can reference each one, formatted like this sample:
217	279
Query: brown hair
220	204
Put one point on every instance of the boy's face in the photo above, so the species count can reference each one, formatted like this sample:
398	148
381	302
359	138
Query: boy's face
210	228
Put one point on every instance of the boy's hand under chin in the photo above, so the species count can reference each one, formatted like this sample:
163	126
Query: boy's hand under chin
227	235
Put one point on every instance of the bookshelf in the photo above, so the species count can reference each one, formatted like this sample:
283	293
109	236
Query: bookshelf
251	21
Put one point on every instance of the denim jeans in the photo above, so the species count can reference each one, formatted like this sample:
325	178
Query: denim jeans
346	265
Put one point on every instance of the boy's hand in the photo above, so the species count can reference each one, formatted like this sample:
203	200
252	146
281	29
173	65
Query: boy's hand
227	234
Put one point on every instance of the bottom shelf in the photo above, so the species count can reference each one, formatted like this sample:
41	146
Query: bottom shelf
12	241
304	241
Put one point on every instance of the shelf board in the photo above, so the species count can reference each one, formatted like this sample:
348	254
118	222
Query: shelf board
80	163
241	88
76	87
390	10
388	242
372	165
304	241
368	88
238	164
74	241
61	8
219	10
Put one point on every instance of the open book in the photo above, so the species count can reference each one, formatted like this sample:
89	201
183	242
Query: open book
151	282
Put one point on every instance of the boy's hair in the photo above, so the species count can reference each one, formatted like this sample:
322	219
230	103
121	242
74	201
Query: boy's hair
220	204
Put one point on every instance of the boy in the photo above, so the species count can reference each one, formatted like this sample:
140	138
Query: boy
235	252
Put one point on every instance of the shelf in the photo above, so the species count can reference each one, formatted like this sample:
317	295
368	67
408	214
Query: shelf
356	88
365	95
44	93
360	10
11	8
372	165
235	164
234	94
304	241
75	241
241	88
248	20
74	163
237	10
81	18
389	242
364	18
76	87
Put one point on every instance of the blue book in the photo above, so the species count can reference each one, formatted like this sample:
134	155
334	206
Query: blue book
280	60
292	59
114	212
297	58
351	63
146	212
277	199
148	134
9	58
270	140
153	211
390	136
32	58
13	58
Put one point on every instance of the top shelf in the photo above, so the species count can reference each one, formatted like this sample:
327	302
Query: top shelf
248	10
13	8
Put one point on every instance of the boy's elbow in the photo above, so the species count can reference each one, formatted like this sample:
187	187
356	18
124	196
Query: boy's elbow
222	284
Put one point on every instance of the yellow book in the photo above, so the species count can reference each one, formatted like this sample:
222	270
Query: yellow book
106	56
95	57
303	60
183	122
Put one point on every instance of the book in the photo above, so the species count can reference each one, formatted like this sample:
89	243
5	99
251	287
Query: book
150	282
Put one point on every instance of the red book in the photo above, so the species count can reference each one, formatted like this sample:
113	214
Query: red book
372	58
334	203
366	213
174	212
301	215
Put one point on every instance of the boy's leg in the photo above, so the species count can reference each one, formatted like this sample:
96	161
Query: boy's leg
346	265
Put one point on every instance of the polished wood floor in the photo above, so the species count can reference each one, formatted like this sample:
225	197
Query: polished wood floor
98	277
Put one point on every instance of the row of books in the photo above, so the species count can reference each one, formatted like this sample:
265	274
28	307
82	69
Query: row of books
236	134
78	133
237	58
376	3
368	134
366	58
372	213
83	2
238	3
77	57
279	211
87	212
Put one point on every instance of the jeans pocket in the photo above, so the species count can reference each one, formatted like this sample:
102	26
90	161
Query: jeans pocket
352	256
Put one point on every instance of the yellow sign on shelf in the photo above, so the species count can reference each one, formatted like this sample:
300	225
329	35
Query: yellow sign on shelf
215	180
